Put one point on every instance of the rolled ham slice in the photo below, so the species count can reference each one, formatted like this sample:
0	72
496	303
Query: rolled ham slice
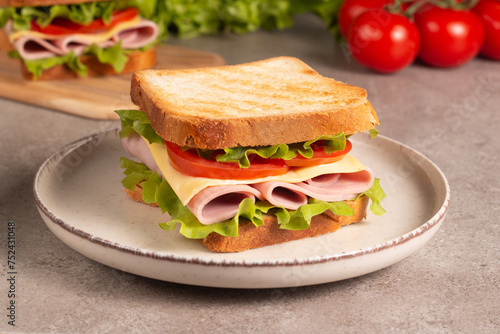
77	44
338	187
137	147
328	187
144	33
33	48
216	204
287	195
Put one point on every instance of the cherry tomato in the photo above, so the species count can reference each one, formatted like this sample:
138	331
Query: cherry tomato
448	37
62	26
351	9
383	41
319	157
489	12
189	163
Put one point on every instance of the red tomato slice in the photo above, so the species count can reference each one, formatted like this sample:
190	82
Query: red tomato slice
62	26
319	157
191	164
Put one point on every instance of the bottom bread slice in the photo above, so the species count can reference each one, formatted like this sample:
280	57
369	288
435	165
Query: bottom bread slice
138	60
251	236
270	233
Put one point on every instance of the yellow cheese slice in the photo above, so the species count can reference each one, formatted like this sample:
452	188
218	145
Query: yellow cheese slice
187	186
91	38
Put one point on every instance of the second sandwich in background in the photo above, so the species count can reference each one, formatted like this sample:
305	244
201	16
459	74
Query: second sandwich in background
62	39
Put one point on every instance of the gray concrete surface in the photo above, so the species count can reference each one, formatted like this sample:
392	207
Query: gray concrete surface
449	286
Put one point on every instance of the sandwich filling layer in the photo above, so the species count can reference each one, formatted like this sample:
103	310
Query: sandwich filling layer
215	200
132	34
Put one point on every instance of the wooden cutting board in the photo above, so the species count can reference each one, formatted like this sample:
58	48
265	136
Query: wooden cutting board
92	97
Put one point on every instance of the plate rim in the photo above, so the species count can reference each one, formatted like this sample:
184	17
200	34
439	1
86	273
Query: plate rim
298	261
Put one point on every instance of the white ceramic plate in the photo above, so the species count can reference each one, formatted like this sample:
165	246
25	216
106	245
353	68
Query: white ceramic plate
80	198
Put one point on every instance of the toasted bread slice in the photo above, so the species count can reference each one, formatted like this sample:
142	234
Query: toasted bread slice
251	237
267	102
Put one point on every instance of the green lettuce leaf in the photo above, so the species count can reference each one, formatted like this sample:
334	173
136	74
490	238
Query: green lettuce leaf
276	14
156	189
241	16
192	18
281	151
79	13
373	133
36	67
114	56
300	219
376	194
5	15
147	8
136	120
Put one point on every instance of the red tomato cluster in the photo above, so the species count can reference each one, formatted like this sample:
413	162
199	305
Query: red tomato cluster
388	35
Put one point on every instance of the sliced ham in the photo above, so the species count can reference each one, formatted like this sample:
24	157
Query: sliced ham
144	33
287	195
135	145
77	44
324	181
328	187
34	48
338	187
216	204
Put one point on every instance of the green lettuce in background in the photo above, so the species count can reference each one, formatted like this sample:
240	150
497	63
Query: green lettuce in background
190	18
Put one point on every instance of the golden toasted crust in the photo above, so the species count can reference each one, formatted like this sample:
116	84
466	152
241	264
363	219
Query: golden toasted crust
268	102
138	60
251	237
22	3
